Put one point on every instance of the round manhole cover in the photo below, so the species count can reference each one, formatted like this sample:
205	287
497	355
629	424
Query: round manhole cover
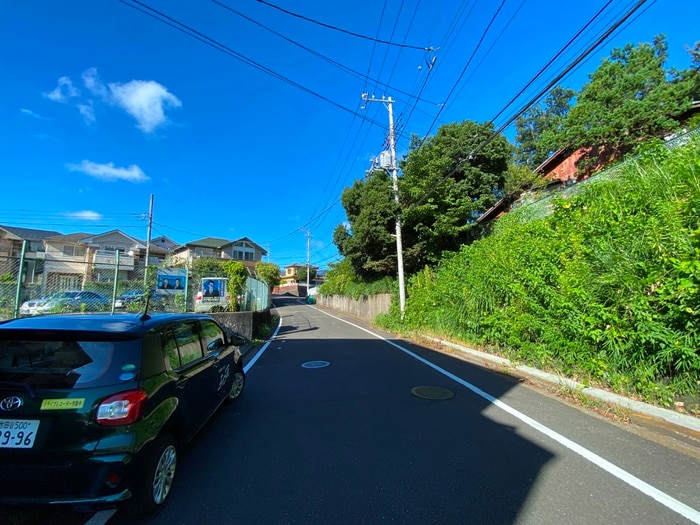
315	364
432	392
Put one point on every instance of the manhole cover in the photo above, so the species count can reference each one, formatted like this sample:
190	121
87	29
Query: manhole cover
315	364
432	392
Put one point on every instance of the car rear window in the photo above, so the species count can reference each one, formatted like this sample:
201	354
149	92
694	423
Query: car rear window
52	363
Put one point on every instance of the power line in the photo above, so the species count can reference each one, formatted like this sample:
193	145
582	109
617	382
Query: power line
532	101
184	28
340	66
335	28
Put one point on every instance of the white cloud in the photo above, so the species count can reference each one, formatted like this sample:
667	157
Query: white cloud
146	101
86	215
92	81
108	172
64	91
87	111
30	113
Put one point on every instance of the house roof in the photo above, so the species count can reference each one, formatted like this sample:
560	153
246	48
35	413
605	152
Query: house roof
70	237
96	238
217	244
207	242
554	157
248	240
28	234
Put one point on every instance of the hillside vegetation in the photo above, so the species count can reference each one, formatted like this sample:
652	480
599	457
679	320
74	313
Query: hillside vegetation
605	289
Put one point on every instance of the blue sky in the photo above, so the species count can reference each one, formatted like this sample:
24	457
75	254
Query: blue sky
256	132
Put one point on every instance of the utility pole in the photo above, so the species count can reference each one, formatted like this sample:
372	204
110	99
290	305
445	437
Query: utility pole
148	244
388	102
308	259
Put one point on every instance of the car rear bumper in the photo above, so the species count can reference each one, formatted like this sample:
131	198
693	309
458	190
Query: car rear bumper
84	482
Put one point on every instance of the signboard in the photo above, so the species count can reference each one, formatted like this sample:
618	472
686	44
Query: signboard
171	280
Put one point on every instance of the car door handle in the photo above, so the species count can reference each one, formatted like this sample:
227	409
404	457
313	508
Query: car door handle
180	383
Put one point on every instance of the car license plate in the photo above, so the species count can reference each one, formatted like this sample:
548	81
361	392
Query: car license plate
18	433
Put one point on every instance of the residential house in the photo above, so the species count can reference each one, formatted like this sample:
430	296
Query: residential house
74	259
289	280
11	241
243	250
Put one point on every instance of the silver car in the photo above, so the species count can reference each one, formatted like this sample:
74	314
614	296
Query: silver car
66	301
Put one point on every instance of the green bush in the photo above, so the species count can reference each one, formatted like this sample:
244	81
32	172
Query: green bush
605	289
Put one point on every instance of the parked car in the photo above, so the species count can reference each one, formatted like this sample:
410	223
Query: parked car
66	301
94	409
136	300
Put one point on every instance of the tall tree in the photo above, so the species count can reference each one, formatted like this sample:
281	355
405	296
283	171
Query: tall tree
448	181
366	241
536	129
630	97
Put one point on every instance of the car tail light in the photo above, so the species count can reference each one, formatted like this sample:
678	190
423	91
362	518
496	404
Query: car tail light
121	409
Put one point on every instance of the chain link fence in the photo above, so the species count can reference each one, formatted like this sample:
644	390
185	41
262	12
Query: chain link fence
33	285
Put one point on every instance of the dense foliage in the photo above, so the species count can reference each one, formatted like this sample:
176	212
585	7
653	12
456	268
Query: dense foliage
537	128
631	97
341	279
268	273
606	288
448	180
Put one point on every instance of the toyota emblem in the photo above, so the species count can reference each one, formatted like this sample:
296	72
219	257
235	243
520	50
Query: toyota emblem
11	403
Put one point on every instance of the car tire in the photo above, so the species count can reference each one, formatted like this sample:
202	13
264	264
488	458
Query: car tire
154	480
237	385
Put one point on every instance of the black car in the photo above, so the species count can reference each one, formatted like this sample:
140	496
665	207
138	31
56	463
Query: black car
94	408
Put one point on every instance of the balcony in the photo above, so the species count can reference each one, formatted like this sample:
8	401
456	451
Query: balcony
104	260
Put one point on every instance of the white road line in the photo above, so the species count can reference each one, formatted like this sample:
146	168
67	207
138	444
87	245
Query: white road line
642	486
257	356
101	517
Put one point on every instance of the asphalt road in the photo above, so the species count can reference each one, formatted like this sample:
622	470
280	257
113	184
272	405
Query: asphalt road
349	442
330	431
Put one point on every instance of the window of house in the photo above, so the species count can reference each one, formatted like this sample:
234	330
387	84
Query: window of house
71	250
114	248
69	282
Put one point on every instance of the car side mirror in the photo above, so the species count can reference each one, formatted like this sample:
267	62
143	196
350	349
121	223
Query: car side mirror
237	340
215	344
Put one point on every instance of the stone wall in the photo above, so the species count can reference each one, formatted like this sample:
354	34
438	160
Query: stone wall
366	307
236	322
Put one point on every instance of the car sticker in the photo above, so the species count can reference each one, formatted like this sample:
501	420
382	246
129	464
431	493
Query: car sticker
128	376
63	404
128	368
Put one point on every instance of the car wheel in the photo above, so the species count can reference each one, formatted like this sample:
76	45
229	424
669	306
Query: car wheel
237	385
153	483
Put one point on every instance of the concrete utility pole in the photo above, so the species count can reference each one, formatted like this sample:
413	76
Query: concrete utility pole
148	244
395	182
308	259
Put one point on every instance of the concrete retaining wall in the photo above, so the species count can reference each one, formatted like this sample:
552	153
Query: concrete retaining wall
367	307
236	322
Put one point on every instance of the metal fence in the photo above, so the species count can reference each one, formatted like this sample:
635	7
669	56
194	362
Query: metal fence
33	285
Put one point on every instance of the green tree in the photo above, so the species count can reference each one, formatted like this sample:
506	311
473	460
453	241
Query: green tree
537	128
448	181
301	274
236	272
269	273
630	97
366	240
207	267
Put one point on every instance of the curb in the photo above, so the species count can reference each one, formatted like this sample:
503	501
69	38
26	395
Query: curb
663	414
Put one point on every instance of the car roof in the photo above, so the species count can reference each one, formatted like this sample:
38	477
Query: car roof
127	324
